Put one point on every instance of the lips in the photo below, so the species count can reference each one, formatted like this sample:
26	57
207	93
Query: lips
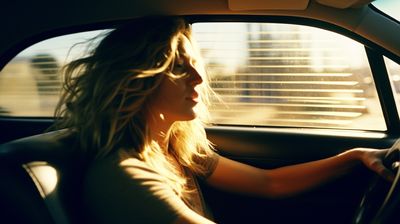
194	97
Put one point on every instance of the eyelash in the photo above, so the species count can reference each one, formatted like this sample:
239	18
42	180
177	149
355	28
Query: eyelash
179	66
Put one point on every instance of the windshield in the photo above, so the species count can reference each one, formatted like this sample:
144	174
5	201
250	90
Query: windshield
390	7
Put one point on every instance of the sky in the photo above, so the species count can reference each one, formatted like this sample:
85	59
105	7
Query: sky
390	7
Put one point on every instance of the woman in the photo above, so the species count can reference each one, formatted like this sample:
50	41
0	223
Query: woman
137	103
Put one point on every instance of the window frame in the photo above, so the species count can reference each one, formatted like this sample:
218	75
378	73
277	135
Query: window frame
374	53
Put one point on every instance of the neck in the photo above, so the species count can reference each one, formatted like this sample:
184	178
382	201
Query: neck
160	129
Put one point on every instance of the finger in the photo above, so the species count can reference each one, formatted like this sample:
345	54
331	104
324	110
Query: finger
388	175
384	172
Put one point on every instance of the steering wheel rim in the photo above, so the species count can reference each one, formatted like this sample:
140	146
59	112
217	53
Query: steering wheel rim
373	209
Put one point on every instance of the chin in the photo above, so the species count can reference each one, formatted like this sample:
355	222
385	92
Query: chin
189	116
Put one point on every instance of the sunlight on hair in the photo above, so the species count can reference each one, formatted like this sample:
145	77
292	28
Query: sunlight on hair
108	106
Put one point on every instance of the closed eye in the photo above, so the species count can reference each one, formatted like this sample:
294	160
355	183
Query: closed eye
179	67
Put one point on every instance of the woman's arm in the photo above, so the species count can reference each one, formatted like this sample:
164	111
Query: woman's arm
290	180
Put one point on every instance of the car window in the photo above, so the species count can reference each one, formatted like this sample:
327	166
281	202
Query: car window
30	83
393	70
288	75
265	74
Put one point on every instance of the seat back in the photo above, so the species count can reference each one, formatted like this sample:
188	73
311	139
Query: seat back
41	179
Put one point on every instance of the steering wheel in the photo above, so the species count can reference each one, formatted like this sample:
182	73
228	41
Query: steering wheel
381	199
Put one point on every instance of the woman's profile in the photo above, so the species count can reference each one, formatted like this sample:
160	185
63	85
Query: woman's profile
138	103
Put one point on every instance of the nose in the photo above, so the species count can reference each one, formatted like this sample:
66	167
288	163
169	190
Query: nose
195	77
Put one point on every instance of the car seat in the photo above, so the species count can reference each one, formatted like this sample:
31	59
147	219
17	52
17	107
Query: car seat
41	179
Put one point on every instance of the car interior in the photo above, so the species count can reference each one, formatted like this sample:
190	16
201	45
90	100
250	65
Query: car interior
41	171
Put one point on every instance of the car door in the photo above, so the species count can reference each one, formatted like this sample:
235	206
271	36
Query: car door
297	93
288	90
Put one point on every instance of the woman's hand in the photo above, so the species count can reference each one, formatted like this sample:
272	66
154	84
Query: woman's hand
373	159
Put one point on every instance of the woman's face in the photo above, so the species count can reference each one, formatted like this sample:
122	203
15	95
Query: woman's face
177	97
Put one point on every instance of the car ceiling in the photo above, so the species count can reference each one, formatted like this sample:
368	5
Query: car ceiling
24	22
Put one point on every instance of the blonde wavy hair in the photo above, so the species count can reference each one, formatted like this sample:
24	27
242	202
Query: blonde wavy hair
106	95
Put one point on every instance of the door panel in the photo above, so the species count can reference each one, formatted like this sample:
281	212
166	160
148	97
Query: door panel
334	202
